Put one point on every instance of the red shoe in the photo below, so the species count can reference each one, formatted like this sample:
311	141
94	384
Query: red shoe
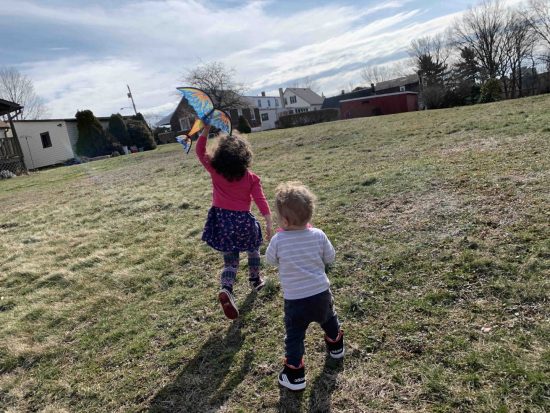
228	304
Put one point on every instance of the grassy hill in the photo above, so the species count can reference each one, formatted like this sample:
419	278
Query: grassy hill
440	222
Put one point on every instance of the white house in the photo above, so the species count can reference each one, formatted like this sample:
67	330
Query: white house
269	108
49	141
298	100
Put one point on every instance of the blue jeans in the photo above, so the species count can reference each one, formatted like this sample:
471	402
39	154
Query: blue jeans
298	316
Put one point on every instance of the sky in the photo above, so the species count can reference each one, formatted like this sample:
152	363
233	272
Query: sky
82	54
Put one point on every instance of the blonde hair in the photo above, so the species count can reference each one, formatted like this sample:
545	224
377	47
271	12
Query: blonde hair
294	202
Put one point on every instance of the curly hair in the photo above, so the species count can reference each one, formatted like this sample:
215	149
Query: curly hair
294	202
232	157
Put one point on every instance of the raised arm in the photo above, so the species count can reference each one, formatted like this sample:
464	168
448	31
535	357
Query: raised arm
201	149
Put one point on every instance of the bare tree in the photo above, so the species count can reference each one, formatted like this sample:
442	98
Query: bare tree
18	88
218	81
381	73
539	18
376	74
306	83
518	43
481	29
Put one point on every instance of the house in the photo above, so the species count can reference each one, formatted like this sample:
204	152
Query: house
11	155
376	105
269	108
298	100
410	83
334	101
181	119
46	142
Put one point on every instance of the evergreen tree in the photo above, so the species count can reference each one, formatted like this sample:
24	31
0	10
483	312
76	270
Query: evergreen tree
465	75
92	139
432	72
140	135
490	91
118	130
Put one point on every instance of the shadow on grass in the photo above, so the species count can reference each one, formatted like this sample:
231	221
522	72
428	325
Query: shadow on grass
206	382
324	385
321	392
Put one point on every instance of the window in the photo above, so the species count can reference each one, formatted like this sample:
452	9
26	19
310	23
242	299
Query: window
269	102
302	110
259	103
265	117
293	99
401	88
185	124
286	102
46	141
276	102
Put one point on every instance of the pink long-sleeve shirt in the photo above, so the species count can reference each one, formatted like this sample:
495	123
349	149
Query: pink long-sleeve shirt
235	195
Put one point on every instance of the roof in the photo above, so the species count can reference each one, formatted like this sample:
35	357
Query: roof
379	96
334	101
400	81
307	94
7	107
165	120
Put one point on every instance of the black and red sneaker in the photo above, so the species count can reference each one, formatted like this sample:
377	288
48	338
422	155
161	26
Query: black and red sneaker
292	377
228	304
336	347
256	283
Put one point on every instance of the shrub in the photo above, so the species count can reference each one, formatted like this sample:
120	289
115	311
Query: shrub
243	126
308	118
118	130
433	96
490	91
92	139
140	135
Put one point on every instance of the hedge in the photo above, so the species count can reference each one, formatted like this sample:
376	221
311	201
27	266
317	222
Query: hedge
308	118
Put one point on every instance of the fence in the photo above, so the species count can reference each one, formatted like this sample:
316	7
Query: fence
11	158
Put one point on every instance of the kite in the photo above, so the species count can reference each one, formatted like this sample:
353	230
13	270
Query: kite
206	115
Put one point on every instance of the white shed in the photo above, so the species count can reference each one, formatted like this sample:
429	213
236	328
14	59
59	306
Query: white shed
49	141
46	142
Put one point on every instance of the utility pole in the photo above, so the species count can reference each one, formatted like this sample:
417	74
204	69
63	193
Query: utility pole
131	98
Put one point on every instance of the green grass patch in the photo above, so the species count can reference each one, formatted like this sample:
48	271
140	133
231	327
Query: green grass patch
440	223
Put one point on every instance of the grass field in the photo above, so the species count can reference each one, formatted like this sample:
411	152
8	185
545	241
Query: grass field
440	220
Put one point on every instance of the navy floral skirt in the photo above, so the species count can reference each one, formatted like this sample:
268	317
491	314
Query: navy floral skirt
232	231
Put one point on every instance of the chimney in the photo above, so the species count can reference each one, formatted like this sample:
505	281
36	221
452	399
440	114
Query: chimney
282	95
343	92
372	88
263	93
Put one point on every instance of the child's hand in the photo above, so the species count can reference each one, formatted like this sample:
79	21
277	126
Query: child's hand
268	227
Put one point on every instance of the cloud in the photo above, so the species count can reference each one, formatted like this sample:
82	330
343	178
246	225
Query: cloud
95	49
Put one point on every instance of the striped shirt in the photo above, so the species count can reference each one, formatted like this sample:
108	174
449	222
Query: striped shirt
301	256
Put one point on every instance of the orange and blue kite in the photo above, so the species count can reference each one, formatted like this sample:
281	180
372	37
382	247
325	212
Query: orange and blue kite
206	115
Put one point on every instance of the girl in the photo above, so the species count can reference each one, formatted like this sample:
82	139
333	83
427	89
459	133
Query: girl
230	227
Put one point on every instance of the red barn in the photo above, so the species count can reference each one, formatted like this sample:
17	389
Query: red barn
379	105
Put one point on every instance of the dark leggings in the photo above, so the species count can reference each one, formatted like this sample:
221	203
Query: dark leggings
298	316
231	266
